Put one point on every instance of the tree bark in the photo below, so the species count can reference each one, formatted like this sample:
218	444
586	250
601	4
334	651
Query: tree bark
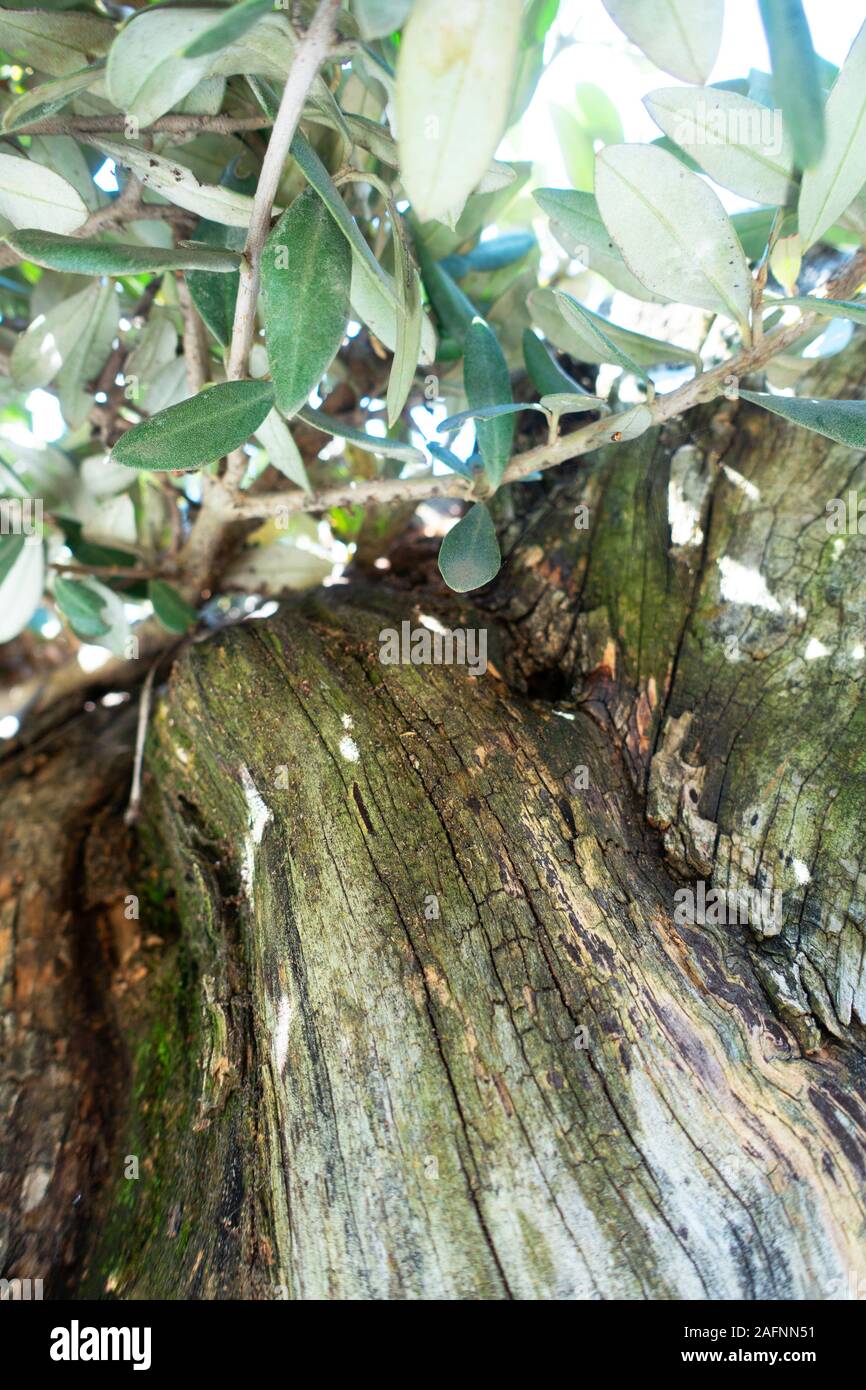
424	1023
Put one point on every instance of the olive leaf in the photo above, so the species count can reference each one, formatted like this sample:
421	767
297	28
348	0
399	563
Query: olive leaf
576	223
306	270
852	309
230	26
454	75
796	77
373	443
199	430
57	44
844	421
171	607
487	383
469	555
180	186
672	230
682	37
84	256
33	196
840	173
738	142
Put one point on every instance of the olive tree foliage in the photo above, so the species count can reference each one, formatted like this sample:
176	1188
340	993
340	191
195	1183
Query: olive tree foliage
291	177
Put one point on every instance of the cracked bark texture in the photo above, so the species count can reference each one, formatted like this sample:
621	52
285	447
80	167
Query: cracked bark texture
450	1042
729	668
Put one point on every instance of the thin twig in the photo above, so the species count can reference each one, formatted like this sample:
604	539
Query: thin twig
194	349
308	58
130	572
172	125
133	808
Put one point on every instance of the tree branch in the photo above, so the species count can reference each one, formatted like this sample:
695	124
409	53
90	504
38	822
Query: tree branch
79	126
194	347
702	388
309	56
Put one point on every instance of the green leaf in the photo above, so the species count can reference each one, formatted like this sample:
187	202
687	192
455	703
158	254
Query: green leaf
10	548
170	607
454	75
147	74
486	381
469	555
86	356
545	373
593	117
282	450
33	196
410	321
796	77
82	256
589	325
672	230
232	25
54	43
834	182
451	460
306	270
454	311
389	448
575	146
753	230
378	18
44	101
853	309
22	578
844	421
40	352
739	143
494	254
576	223
82	606
180	185
200	430
572	403
486	412
682	37
214	296
374	294
631	423
589	338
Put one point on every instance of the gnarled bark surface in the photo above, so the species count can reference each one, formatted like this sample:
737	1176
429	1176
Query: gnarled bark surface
451	1042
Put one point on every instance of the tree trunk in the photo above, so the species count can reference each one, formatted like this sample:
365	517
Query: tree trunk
409	1010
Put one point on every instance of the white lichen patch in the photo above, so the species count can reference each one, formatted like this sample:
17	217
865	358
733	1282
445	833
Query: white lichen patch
747	586
349	749
814	649
801	873
348	722
258	816
281	1033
